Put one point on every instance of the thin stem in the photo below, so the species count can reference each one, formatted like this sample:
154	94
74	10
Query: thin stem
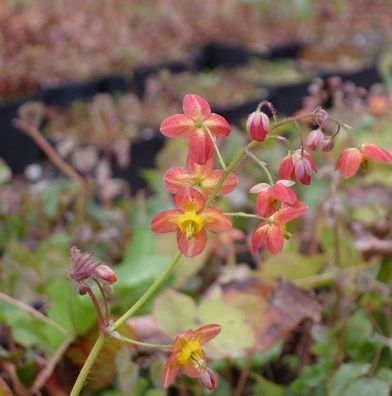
78	386
33	312
243	376
149	292
105	302
242	214
234	162
262	166
120	337
220	158
101	320
55	158
51	365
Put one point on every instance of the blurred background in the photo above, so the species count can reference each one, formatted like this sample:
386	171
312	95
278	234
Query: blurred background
96	78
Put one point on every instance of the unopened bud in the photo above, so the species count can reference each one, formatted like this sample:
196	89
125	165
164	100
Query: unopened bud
105	274
208	379
258	125
315	139
328	144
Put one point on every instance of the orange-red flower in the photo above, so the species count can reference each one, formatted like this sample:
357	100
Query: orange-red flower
194	125
191	220
203	177
350	159
298	165
273	231
268	196
187	356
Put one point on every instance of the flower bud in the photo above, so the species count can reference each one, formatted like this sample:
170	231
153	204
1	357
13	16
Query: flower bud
328	144
315	139
208	379
258	125
105	274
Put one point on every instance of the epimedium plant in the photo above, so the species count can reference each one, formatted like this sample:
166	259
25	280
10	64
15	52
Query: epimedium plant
195	189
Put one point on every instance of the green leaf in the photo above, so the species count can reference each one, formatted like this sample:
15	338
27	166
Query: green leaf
291	265
175	312
358	331
75	313
345	375
263	387
141	263
367	387
127	370
237	335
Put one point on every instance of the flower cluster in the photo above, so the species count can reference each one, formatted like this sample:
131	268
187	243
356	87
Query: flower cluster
196	185
191	185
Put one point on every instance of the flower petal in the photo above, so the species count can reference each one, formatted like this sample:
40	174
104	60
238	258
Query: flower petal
286	168
189	199
376	153
170	371
200	146
203	169
274	238
177	125
258	237
165	221
194	246
260	187
209	183
215	220
282	193
207	333
196	107
217	125
264	207
177	178
349	161
289	213
310	160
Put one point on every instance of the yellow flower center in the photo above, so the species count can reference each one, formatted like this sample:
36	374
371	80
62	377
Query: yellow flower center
191	354
190	223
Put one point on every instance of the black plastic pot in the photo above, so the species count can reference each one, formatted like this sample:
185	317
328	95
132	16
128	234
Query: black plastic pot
143	153
19	150
217	54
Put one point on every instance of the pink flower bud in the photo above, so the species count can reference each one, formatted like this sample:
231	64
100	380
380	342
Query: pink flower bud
315	139
208	379
328	144
105	274
258	125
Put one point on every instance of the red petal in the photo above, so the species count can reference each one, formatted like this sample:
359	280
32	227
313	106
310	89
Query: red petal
207	333
209	183
194	246
200	146
177	125
170	371
286	168
289	213
196	107
165	221
215	220
349	161
310	160
177	178
258	237
217	125
189	199
282	193
264	207
376	153
208	379
203	169
274	238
